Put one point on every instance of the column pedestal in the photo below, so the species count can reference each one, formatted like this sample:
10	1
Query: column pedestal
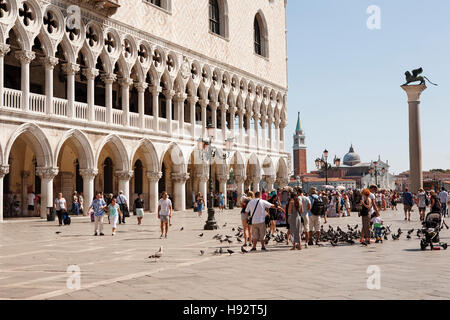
47	175
4	170
179	187
415	139
124	182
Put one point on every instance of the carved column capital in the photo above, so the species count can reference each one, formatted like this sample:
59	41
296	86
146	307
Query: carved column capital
203	102
50	62
269	179
25	56
4	49
88	173
141	86
71	68
47	173
124	175
154	176
126	82
180	177
155	90
202	177
4	170
169	94
222	178
180	97
90	73
239	179
192	100
109	78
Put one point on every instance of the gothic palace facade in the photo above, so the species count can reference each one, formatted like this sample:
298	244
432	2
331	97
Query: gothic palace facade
114	94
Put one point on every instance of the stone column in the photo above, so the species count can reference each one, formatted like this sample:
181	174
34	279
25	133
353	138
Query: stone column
223	112
155	97
25	57
125	84
214	115
153	178
241	125
277	137
232	116
256	181
50	63
90	75
415	139
71	69
263	131
180	103
179	188
282	126
270	181
4	170
192	103
124	182
88	187
47	175
4	49
203	104
141	87
240	186
169	95
256	119
223	179
203	188
109	79
269	138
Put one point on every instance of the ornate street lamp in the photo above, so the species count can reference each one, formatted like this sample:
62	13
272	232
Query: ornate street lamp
322	164
208	152
376	171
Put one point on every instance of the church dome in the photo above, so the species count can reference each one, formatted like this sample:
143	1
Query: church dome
351	158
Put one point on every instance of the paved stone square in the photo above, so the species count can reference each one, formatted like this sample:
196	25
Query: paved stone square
34	261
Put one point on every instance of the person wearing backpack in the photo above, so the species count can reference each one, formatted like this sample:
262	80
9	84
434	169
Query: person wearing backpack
317	210
435	204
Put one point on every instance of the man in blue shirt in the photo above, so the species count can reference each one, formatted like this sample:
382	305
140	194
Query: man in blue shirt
407	204
99	206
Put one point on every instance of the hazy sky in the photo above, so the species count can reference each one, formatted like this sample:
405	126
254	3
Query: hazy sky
345	79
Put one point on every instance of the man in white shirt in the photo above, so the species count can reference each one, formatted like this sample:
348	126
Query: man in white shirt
443	197
257	210
164	213
306	203
30	201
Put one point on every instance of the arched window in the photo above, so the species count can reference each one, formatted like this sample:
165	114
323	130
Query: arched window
214	16
218	17
261	43
138	177
163	4
257	37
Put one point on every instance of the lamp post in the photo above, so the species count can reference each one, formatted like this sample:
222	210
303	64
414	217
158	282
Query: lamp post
208	152
376	171
322	164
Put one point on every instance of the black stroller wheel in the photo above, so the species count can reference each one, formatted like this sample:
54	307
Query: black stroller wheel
423	245
444	246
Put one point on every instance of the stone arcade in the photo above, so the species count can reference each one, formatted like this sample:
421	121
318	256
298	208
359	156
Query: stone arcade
119	101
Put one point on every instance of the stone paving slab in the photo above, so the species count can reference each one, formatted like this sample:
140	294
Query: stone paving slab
34	261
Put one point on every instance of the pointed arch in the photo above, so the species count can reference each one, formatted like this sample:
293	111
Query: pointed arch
151	157
123	163
37	140
83	145
176	156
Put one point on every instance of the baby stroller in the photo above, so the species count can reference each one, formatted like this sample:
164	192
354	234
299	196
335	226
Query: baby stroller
430	232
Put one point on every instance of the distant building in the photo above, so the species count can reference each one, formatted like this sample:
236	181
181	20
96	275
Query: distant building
432	180
299	151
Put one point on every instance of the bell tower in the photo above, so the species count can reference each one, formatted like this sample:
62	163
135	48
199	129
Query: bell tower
299	150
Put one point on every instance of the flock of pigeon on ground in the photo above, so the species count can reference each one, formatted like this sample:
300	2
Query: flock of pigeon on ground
333	236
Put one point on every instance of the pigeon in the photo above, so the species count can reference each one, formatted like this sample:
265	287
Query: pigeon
157	254
230	251
217	251
356	227
233	229
333	243
364	244
239	240
385	237
182	228
202	252
220	250
395	237
200	235
224	225
230	241
351	242
243	250
58	232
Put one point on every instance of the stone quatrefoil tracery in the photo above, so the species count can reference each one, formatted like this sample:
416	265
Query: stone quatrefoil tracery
170	63
157	58
142	53
3	8
50	22
73	32
91	36
26	13
127	49
109	43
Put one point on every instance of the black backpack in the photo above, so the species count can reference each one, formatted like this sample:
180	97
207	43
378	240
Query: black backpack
67	220
318	207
